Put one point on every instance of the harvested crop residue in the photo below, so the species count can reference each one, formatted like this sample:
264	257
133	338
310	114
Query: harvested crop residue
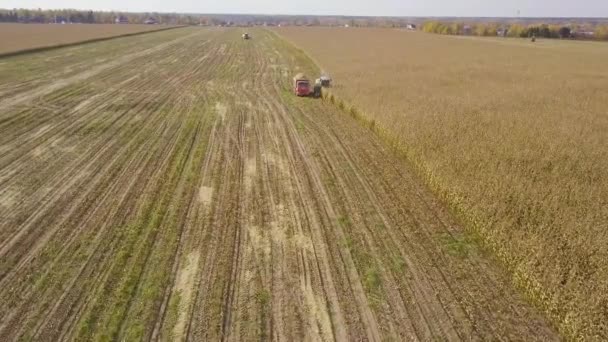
205	194
184	286
221	110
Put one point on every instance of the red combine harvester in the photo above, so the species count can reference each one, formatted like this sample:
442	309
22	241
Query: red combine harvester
301	85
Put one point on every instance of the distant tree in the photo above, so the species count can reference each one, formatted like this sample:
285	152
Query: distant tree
601	32
532	31
492	29
430	27
76	17
90	17
547	31
457	28
516	30
481	30
446	29
565	32
24	15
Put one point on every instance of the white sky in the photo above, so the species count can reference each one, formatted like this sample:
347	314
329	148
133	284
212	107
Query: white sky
472	8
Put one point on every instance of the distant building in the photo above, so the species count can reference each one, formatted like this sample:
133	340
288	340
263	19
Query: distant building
502	32
411	26
582	34
122	20
467	30
150	21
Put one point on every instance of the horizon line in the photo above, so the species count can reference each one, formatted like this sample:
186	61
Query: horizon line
315	15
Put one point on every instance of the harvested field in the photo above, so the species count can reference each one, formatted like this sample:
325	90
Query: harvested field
512	135
22	37
179	190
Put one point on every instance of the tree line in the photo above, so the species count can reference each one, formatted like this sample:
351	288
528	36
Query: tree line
516	30
97	17
582	30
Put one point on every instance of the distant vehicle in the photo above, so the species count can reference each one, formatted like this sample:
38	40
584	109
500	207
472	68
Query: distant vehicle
121	20
301	85
325	81
246	36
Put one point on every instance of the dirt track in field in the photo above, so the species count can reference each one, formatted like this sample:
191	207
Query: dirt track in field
184	193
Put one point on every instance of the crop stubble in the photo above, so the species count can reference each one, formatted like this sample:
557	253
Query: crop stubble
184	193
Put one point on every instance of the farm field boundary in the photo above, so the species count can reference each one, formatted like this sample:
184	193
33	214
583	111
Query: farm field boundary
81	42
471	221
